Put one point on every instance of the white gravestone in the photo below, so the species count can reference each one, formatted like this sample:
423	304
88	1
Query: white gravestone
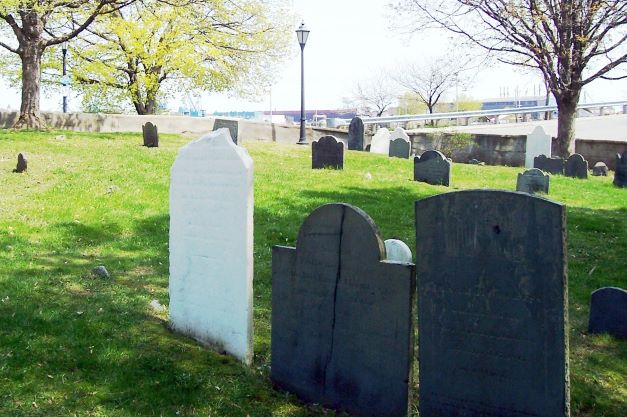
538	143
399	132
381	142
398	251
211	244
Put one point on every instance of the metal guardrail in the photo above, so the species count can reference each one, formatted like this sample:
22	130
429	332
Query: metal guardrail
481	113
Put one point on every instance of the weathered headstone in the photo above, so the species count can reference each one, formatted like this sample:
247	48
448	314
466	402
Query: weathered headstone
22	163
550	165
381	142
432	167
576	167
608	311
600	170
397	250
400	147
151	135
342	316
533	181
538	143
356	134
491	268
327	152
232	125
211	244
620	172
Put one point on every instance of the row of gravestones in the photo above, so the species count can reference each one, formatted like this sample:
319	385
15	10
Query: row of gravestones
151	134
577	167
344	302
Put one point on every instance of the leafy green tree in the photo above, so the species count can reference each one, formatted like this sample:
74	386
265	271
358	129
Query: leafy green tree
29	27
150	50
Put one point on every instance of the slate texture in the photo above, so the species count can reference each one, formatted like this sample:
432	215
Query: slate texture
576	167
356	134
151	135
232	125
491	268
433	168
399	148
551	165
620	173
533	181
608	311
342	331
600	170
22	163
327	152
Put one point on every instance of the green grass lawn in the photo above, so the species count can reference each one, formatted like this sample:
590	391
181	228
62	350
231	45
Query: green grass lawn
72	345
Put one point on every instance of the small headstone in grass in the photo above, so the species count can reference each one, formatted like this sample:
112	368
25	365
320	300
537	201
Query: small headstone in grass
232	125
398	251
433	168
533	181
474	162
100	271
342	316
381	142
327	152
211	244
400	147
608	311
151	135
22	163
576	167
538	143
356	134
550	165
600	170
491	268
620	173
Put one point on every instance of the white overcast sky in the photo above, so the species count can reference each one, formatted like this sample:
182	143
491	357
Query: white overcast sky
349	40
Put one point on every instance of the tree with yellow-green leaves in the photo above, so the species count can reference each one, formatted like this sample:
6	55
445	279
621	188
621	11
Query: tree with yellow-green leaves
150	50
29	27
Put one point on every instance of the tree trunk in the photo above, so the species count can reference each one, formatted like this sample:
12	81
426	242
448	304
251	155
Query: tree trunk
567	110
30	116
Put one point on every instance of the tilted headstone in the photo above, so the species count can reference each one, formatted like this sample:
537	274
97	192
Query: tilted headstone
342	316
620	173
232	125
151	135
432	167
538	143
381	142
608	311
211	244
550	165
576	167
600	170
491	268
22	163
327	152
356	134
399	148
533	181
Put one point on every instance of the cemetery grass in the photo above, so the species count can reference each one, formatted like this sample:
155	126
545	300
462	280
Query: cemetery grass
72	344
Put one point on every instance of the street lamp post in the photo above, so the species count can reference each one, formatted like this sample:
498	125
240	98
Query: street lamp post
64	79
302	33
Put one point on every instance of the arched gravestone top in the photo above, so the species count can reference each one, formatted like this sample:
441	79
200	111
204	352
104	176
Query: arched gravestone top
608	311
433	168
151	135
537	143
399	132
356	134
211	244
550	165
533	180
327	152
600	169
491	268
398	251
576	166
399	148
381	142
620	172
342	316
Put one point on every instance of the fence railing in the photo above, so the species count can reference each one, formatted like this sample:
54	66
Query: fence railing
483	113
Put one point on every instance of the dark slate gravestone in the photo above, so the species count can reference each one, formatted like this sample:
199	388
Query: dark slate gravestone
620	173
599	170
22	163
229	124
576	167
608	312
327	152
399	148
491	268
433	168
356	134
342	331
533	181
550	165
151	135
